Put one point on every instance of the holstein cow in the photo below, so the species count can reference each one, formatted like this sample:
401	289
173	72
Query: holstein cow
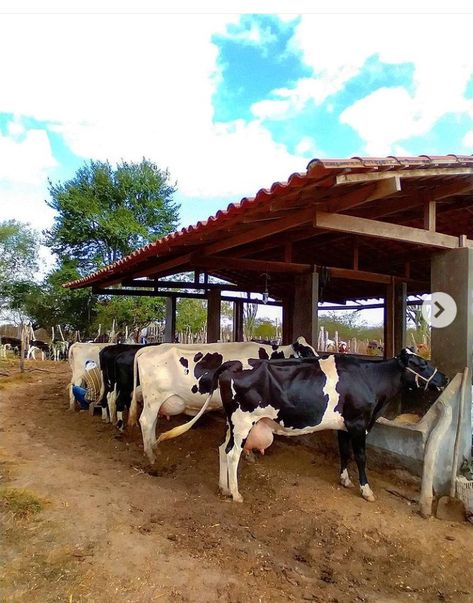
107	357
78	354
295	397
171	377
116	363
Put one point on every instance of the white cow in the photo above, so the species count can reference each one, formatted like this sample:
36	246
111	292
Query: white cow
170	377
78	354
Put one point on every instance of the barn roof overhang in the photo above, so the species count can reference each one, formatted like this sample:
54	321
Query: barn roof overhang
363	222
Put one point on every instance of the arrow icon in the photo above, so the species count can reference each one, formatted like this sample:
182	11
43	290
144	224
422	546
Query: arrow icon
441	309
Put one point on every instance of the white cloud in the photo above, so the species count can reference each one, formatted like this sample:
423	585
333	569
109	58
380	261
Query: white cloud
468	139
25	158
337	46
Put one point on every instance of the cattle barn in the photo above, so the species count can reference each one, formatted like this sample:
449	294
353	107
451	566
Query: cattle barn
343	230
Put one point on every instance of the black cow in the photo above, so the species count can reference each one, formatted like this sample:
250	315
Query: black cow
116	364
107	360
294	397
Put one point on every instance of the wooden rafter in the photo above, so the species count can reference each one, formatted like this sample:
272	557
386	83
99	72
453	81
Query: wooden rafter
251	265
385	230
415	173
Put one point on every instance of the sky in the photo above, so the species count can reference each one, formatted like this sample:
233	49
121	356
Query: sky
229	102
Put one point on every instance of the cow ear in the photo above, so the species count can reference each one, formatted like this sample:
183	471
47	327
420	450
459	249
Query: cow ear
404	356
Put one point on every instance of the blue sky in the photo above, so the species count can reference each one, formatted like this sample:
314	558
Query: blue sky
229	103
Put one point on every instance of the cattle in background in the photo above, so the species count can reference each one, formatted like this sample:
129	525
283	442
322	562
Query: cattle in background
78	354
12	343
170	377
35	346
295	397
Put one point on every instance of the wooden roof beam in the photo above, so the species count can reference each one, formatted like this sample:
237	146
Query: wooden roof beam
250	265
386	230
416	173
298	218
377	190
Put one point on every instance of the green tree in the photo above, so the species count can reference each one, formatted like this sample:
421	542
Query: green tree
19	245
191	314
104	213
49	304
131	312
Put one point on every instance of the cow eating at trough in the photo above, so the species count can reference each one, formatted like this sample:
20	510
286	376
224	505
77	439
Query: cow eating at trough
295	397
171	377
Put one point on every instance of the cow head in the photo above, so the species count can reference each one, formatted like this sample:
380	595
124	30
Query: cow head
418	372
302	349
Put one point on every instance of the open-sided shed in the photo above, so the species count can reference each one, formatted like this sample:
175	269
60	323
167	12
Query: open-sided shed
344	229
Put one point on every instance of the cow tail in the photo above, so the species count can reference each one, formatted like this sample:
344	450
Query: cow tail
177	431
133	412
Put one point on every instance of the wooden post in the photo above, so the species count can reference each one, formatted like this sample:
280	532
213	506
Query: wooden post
389	321
287	311
238	320
400	310
213	315
305	307
170	325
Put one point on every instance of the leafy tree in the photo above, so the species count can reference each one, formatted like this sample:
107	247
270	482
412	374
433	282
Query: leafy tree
265	329
249	320
348	325
19	246
104	213
191	314
49	304
131	312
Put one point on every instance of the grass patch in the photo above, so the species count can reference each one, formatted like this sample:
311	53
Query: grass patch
21	503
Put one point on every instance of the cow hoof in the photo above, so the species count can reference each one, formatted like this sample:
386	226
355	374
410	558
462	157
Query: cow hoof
237	498
346	482
224	491
105	420
120	426
367	493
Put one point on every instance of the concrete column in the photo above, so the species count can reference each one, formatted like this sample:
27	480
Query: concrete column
452	346
213	315
305	307
170	325
238	320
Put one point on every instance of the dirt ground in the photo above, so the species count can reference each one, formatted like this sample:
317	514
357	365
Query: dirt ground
113	529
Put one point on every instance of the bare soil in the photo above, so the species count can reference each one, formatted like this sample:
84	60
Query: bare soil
112	528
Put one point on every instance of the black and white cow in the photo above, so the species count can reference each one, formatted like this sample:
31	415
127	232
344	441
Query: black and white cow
171	377
295	397
107	363
116	363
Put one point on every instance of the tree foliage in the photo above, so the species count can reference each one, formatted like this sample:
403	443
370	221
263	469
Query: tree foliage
104	213
19	246
191	314
131	312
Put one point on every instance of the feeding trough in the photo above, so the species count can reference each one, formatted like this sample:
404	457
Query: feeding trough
425	447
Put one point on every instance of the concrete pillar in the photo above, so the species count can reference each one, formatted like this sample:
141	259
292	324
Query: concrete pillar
238	320
170	325
452	346
305	307
213	315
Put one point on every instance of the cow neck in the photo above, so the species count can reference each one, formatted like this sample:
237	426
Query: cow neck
387	378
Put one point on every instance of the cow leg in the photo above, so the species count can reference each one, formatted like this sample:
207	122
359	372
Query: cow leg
233	458
223	477
72	400
104	414
344	448
358	440
112	406
148	420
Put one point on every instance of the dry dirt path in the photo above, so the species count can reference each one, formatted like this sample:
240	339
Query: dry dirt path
111	530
